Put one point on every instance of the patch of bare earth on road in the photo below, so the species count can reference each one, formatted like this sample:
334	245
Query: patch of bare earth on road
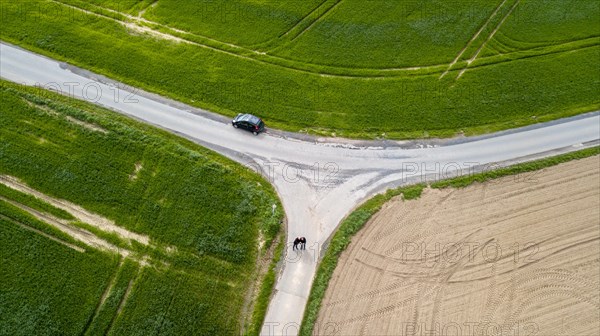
518	255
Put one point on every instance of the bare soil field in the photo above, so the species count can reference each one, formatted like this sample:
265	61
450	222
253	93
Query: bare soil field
518	255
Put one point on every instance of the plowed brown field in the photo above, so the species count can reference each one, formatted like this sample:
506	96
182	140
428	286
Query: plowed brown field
518	255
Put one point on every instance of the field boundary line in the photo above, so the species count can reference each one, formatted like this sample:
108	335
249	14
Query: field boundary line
27	227
541	54
271	44
536	45
548	45
501	44
472	59
473	39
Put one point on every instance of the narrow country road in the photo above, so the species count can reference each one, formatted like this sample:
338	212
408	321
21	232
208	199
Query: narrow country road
319	182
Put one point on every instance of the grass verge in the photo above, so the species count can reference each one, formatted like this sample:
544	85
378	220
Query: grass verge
266	289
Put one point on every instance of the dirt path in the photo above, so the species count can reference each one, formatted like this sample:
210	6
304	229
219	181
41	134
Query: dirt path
516	256
77	233
78	212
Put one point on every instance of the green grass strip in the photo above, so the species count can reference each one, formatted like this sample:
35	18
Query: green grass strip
262	301
359	217
464	181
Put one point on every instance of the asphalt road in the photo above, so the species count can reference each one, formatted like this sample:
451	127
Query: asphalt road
319	182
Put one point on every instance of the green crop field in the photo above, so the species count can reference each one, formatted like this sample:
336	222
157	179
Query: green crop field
256	21
204	216
47	288
369	69
390	34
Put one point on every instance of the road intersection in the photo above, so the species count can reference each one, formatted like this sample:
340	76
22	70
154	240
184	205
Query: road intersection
319	181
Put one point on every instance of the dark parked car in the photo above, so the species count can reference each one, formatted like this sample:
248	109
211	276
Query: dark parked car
249	122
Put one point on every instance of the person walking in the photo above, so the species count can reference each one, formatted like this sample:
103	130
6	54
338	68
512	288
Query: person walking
303	243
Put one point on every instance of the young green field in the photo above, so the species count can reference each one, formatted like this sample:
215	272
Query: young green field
204	216
345	67
47	288
389	34
244	23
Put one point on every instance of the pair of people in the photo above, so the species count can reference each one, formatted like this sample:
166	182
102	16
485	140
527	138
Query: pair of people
299	241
